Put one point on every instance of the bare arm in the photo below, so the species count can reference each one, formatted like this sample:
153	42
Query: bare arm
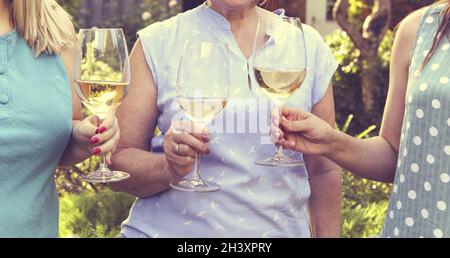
374	158
325	181
150	173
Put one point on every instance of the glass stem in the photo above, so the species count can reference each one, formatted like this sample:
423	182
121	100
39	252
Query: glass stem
279	153
103	168
279	106
196	175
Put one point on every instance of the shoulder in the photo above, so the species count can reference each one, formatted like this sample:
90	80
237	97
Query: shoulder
408	27
312	35
167	26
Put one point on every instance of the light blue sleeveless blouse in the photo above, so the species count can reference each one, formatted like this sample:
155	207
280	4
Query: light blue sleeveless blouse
254	201
35	127
420	203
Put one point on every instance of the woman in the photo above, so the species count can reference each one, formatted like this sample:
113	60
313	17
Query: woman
254	201
414	142
40	115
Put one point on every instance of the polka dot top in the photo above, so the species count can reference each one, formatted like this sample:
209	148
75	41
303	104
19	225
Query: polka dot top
420	203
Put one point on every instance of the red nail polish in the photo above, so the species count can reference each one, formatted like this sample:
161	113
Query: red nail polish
94	140
101	130
97	151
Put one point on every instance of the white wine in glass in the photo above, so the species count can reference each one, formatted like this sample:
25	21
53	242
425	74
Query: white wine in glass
203	85
102	76
280	64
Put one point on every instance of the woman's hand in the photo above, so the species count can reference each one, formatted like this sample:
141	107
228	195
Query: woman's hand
303	132
98	137
181	145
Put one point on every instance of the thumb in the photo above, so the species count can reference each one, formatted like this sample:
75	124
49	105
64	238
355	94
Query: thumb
88	127
95	120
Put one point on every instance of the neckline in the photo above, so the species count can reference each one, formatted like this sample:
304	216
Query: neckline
9	35
213	18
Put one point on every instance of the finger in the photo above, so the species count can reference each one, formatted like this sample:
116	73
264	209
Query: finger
107	124
95	120
108	158
105	136
298	114
287	144
276	134
107	147
178	160
184	150
191	141
294	126
188	127
85	130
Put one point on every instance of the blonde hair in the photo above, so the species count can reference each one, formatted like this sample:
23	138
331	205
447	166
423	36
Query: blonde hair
43	24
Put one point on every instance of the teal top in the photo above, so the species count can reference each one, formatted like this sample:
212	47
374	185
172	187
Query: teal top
35	128
420	203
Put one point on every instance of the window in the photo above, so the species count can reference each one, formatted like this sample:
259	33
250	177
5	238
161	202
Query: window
330	6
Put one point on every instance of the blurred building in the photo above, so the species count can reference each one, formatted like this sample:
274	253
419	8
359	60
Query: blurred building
319	14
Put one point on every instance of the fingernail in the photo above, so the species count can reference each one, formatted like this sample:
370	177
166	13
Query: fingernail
109	163
97	151
100	130
292	144
205	138
95	140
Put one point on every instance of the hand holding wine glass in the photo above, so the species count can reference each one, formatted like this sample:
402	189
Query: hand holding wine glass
304	132
280	63
202	92
102	76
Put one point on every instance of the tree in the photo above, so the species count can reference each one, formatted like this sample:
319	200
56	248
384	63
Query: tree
405	7
191	4
367	40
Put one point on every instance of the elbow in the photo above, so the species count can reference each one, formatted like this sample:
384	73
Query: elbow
118	187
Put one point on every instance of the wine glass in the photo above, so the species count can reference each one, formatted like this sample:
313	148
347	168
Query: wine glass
203	86
102	76
279	63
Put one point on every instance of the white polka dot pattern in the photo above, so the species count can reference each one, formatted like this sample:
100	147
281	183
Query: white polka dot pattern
420	199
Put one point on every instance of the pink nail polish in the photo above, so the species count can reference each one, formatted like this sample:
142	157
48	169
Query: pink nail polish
97	151
101	130
94	140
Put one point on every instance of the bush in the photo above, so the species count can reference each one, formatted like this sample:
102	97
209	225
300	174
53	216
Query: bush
347	81
92	214
363	221
135	17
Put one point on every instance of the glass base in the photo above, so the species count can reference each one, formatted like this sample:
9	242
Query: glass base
103	178
200	186
280	162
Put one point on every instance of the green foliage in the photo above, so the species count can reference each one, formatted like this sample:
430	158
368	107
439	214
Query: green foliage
68	180
347	80
363	221
92	214
131	19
